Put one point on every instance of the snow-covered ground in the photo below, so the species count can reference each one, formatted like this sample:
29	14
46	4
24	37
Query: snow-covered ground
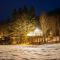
38	52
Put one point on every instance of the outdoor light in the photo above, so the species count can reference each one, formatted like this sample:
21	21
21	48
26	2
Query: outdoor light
36	32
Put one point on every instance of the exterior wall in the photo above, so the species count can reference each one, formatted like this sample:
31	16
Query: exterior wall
34	40
41	40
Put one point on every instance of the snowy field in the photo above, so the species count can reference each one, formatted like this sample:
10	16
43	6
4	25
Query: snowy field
38	52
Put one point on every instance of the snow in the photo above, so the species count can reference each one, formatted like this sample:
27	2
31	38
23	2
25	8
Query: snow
36	52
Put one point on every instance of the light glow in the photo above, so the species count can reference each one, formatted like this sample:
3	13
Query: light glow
36	32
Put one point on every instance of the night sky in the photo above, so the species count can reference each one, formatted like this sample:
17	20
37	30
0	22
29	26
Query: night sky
6	6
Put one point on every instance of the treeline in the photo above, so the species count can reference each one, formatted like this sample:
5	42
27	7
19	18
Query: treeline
24	20
50	22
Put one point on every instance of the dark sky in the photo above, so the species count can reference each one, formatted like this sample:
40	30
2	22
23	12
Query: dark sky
6	6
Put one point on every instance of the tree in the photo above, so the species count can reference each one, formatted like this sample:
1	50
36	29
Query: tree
32	12
14	14
22	22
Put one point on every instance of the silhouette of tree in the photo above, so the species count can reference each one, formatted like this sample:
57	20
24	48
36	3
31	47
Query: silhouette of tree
14	13
20	10
32	11
25	9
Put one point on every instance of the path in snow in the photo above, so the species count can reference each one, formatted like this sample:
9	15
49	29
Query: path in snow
38	52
